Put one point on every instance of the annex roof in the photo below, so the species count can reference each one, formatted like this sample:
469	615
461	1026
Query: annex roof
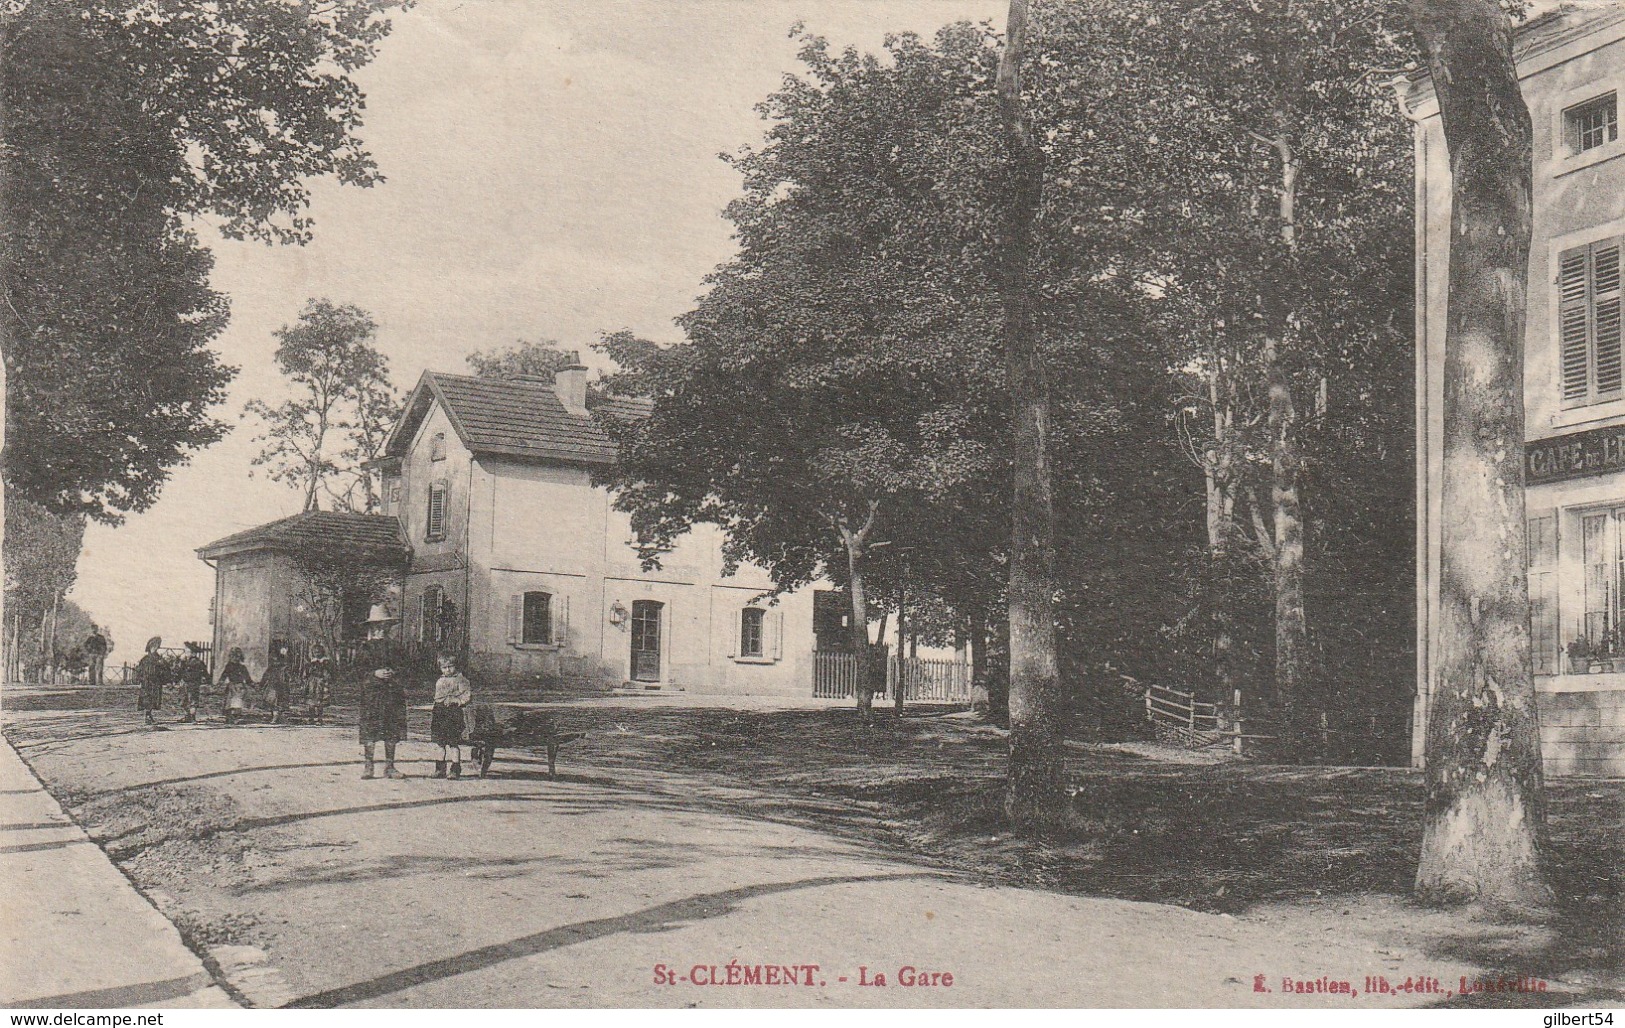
368	535
511	418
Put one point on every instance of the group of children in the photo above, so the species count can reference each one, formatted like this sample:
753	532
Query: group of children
381	715
276	687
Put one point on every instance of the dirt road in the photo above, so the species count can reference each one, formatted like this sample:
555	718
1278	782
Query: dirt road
620	885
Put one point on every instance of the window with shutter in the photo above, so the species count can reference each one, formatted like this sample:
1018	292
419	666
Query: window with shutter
435	523
537	627
437	446
1543	614
750	632
429	615
1592	351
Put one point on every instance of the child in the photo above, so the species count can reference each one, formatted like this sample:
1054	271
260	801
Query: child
194	675
150	673
235	680
277	682
382	717
318	682
451	694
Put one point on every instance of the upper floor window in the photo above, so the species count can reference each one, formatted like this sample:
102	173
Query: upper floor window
750	631
435	521
437	446
1588	312
1589	125
536	626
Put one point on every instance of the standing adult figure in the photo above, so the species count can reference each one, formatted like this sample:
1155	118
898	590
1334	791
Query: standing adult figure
95	649
150	674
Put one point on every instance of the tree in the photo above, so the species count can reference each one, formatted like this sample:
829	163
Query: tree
320	442
41	564
835	384
1261	177
1036	774
539	359
1484	812
120	122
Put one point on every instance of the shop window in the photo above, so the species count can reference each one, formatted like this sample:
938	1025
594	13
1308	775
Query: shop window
1588	313
1603	556
1543	622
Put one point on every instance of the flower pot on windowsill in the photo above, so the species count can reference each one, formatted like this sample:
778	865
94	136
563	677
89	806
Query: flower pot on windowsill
1596	667
1579	666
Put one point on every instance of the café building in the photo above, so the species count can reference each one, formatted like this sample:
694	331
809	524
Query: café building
1572	66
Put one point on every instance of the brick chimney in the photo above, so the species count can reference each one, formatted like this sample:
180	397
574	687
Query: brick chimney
570	383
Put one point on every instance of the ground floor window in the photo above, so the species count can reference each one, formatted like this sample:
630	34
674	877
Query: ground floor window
750	631
536	626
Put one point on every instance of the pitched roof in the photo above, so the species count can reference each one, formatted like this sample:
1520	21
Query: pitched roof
318	530
509	418
1540	34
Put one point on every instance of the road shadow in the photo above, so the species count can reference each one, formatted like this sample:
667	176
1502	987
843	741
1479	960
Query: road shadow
660	918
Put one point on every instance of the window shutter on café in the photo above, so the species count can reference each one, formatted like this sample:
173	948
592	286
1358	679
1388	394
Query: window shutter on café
1573	268
1605	299
516	619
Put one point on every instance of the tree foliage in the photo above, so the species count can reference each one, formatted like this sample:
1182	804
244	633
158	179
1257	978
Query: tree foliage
321	440
531	358
121	122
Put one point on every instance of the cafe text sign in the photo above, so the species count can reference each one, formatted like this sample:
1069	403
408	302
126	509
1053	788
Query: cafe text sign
1597	452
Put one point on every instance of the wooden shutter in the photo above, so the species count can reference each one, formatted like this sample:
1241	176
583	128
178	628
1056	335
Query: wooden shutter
773	627
436	527
1572	276
516	619
561	620
1605	297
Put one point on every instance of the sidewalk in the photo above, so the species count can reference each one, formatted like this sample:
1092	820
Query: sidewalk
73	931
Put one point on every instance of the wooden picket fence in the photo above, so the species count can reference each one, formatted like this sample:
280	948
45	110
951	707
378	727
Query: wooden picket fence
925	679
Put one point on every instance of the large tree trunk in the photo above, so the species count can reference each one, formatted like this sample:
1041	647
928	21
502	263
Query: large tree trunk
857	550
1291	625
1484	814
1286	463
1035	782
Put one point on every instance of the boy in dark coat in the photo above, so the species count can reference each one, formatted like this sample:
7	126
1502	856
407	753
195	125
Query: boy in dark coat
150	674
382	717
277	682
194	675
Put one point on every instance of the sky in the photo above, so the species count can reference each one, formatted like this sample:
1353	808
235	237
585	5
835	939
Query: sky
551	172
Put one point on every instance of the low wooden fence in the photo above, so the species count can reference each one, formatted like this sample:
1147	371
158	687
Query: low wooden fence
835	674
924	679
1178	717
929	680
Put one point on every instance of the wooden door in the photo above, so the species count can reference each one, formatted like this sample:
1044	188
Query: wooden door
646	640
